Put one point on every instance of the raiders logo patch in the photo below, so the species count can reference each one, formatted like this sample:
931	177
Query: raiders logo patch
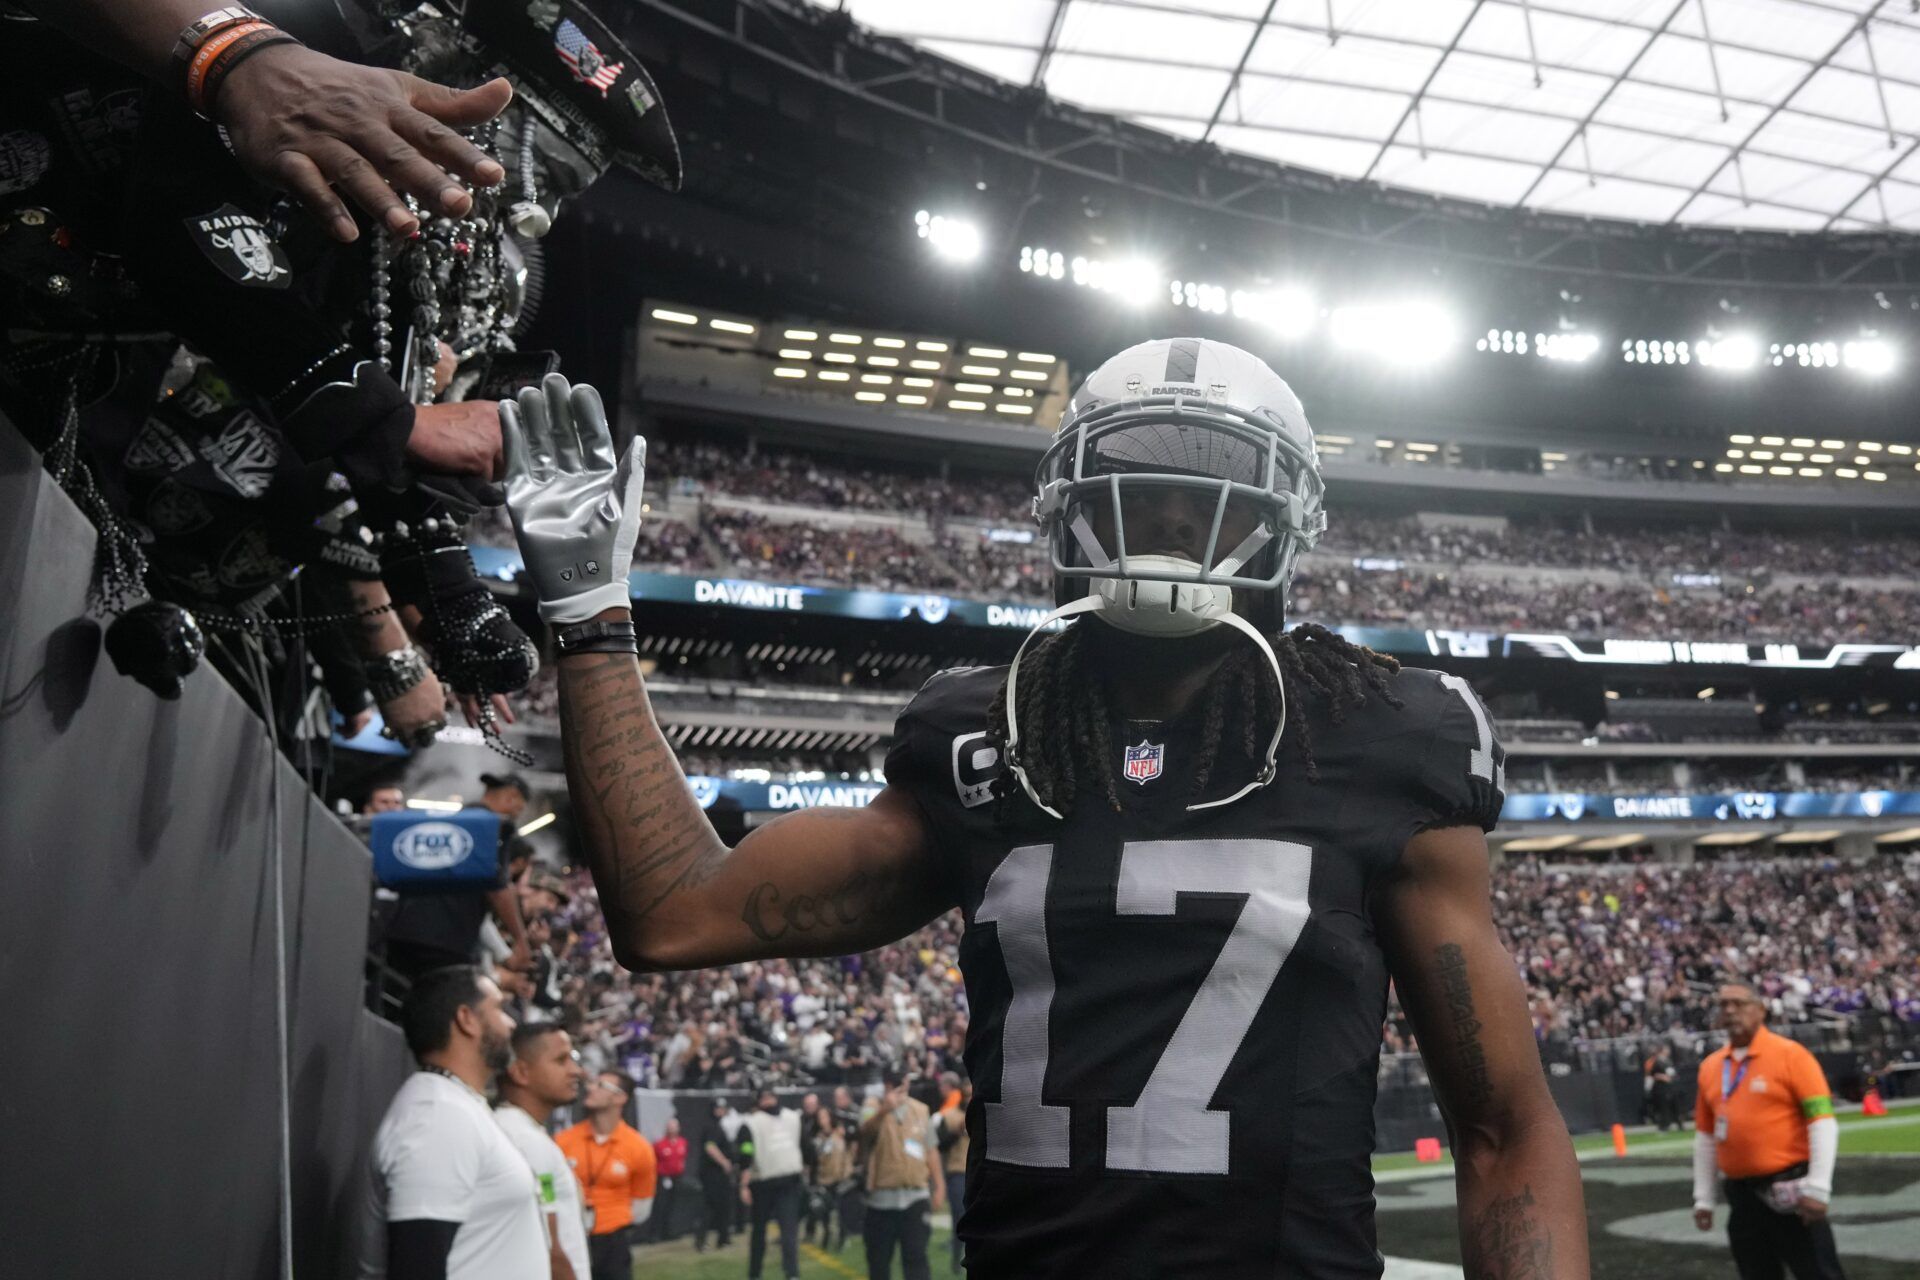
157	448
24	159
173	509
238	244
248	561
244	454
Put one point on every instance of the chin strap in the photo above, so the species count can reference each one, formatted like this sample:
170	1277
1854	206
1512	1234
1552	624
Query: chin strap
1092	602
1268	769
1089	603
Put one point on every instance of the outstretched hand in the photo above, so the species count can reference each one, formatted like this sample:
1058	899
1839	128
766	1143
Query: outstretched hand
575	510
301	120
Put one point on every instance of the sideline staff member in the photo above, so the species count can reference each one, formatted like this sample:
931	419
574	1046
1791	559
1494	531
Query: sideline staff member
450	1198
1765	1118
545	1073
903	1172
615	1166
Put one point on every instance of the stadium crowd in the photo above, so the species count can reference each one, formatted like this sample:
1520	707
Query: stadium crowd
1622	951
1406	583
803	480
1826	613
1634	952
1650	551
844	1019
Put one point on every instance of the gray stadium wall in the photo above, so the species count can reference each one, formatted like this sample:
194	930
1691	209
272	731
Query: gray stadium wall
139	1103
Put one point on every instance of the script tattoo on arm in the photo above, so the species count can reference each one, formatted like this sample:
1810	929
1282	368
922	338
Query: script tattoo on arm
773	915
1507	1241
647	838
1451	961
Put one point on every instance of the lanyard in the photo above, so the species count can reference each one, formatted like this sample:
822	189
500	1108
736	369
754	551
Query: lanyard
1729	1078
593	1174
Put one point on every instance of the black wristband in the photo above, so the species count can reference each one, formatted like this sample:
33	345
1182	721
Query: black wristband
242	49
597	637
610	645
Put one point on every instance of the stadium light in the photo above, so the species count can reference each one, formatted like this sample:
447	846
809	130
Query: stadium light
435	806
954	239
1409	333
1289	312
1869	355
1736	352
1133	282
1570	347
1048	264
545	819
1201	297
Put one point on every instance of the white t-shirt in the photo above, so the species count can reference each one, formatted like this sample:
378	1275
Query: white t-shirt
559	1189
438	1154
776	1144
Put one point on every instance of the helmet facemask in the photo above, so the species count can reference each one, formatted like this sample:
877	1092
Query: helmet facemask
1247	490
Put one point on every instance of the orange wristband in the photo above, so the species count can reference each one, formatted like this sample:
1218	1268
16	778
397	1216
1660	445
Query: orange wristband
207	52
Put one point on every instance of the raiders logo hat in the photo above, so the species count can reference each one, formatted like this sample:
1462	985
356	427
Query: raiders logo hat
582	82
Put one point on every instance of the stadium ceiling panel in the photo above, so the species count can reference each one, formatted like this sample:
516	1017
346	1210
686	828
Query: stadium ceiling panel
1793	115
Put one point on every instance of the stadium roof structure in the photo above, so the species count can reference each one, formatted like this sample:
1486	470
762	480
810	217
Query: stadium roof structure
1784	115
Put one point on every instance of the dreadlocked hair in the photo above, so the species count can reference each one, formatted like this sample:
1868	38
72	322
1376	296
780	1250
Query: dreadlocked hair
1066	715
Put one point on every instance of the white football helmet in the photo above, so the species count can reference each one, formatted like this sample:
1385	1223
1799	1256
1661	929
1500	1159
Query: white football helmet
1207	432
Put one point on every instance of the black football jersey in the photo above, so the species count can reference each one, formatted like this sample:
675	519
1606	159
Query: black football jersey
1175	1015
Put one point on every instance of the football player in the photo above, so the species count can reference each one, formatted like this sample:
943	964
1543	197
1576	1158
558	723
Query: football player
1191	850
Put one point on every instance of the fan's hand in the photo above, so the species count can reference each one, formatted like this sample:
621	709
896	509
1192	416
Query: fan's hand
575	510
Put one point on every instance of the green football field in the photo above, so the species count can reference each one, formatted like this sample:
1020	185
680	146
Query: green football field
1639	1212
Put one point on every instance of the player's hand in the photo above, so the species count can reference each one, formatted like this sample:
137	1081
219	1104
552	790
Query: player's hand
306	122
1811	1210
575	510
1703	1219
458	439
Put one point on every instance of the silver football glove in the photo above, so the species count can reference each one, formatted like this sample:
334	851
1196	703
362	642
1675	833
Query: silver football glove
575	511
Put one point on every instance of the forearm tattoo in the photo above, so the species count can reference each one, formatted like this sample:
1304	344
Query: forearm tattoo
646	836
1507	1241
1476	1084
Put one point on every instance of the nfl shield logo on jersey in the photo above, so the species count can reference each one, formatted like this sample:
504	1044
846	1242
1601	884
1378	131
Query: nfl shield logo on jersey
1144	761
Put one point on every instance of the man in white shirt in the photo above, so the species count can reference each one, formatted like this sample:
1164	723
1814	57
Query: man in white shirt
545	1074
449	1197
771	1187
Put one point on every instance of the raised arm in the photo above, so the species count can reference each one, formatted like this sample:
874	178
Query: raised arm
818	882
1521	1212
